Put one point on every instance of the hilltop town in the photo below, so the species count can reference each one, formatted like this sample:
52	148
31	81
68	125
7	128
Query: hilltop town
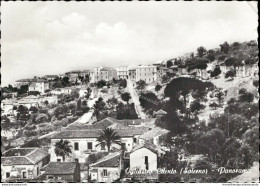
196	111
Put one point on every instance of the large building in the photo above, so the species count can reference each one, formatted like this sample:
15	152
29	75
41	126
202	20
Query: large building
39	85
105	73
146	73
122	72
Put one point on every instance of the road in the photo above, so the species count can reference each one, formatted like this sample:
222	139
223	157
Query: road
135	99
249	177
83	119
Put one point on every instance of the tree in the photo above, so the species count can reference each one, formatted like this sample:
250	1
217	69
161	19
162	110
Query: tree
231	61
149	101
245	96
196	106
158	87
108	137
225	47
219	95
141	84
126	111
169	63
213	105
182	87
126	97
41	118
201	51
62	148
97	107
256	83
23	90
74	94
123	83
230	73
33	109
65	81
215	72
222	58
101	83
211	55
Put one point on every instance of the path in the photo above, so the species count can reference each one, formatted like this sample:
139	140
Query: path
249	177
135	99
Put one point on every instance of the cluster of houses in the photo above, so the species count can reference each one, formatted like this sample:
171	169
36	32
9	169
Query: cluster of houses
139	149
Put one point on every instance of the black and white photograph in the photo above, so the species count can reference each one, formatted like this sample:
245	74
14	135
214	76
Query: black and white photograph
129	92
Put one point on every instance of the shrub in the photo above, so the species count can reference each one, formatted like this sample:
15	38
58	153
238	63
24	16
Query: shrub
230	73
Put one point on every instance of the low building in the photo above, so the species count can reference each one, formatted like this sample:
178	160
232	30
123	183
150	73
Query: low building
48	99
23	162
61	171
161	71
51	77
21	82
7	106
132	73
108	169
29	101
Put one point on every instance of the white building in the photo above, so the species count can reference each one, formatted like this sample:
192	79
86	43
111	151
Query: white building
108	169
122	72
84	139
23	162
104	73
144	157
146	73
39	85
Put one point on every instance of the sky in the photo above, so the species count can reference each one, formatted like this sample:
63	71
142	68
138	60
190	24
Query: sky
43	38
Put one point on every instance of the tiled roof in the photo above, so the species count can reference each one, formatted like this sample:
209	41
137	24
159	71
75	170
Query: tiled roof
94	133
23	156
22	160
60	168
24	80
107	68
146	145
111	160
157	131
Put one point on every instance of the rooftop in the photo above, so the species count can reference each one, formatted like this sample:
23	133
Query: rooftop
146	145
111	160
60	168
157	131
23	156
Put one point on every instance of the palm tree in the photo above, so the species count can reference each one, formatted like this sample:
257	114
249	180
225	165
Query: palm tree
108	136
62	148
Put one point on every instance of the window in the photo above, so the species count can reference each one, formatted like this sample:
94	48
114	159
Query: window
7	174
76	160
123	145
24	174
50	177
90	145
76	146
103	146
146	162
105	172
58	160
135	140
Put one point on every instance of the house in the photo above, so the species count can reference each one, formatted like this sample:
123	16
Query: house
51	77
48	99
146	73
66	90
39	85
84	172
144	157
7	106
161	71
105	73
22	82
23	162
66	171
84	139
29	101
132	73
122	72
154	136
83	91
159	113
107	169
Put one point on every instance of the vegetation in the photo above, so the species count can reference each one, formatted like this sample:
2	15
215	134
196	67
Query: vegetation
108	137
126	97
62	148
141	85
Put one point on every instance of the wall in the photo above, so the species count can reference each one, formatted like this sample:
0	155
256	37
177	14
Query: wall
137	159
112	174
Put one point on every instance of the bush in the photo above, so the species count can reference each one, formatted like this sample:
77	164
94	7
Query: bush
230	73
215	72
222	58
